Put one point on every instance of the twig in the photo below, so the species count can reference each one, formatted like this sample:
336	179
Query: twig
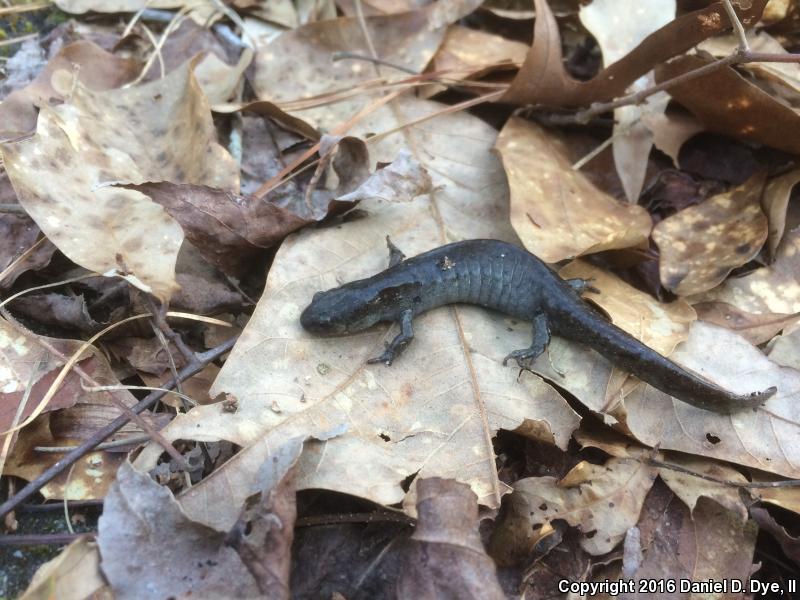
372	517
727	482
13	209
53	506
18	40
379	61
44	539
134	439
737	26
159	316
21	8
75	455
737	58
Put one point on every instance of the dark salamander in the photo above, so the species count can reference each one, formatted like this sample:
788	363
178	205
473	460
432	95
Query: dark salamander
503	277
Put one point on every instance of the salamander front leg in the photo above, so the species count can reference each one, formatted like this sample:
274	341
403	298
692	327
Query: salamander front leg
582	285
399	343
541	339
396	255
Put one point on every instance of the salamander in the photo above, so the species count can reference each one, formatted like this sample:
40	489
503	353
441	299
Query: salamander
500	276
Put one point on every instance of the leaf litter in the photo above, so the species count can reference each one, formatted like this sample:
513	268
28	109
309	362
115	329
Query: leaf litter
229	174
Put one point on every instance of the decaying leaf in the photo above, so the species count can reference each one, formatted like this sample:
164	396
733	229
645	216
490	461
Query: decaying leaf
72	575
435	410
618	28
755	328
556	211
701	244
771	289
604	501
91	65
725	102
543	79
143	525
445	557
102	137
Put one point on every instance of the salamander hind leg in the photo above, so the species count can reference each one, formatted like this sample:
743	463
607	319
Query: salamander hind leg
399	343
541	339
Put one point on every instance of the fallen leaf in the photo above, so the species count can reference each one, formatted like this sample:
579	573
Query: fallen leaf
701	244
143	525
763	439
755	328
403	420
94	68
409	39
787	74
108	136
543	79
775	202
671	129
18	234
785	350
471	53
264	533
68	312
690	488
789	544
771	289
558	213
445	556
619	27
725	102
603	501
72	575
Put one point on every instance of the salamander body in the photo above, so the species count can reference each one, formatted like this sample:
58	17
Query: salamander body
503	277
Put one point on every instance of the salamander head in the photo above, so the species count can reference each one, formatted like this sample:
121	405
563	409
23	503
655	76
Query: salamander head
342	310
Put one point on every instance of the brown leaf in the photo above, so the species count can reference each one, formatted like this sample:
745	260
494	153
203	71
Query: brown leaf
771	289
68	312
92	66
143	526
264	533
789	544
701	244
559	214
775	202
72	575
725	102
543	80
396	427
755	328
445	557
100	137
603	501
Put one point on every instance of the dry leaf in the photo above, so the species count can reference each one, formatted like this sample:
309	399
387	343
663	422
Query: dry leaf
143	525
701	244
543	79
555	210
785	350
604	501
772	289
100	137
72	575
690	488
755	328
775	202
445	557
725	102
91	65
436	410
671	129
618	28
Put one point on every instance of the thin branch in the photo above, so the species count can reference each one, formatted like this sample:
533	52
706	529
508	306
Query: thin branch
726	482
737	27
44	539
79	452
635	98
15	209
